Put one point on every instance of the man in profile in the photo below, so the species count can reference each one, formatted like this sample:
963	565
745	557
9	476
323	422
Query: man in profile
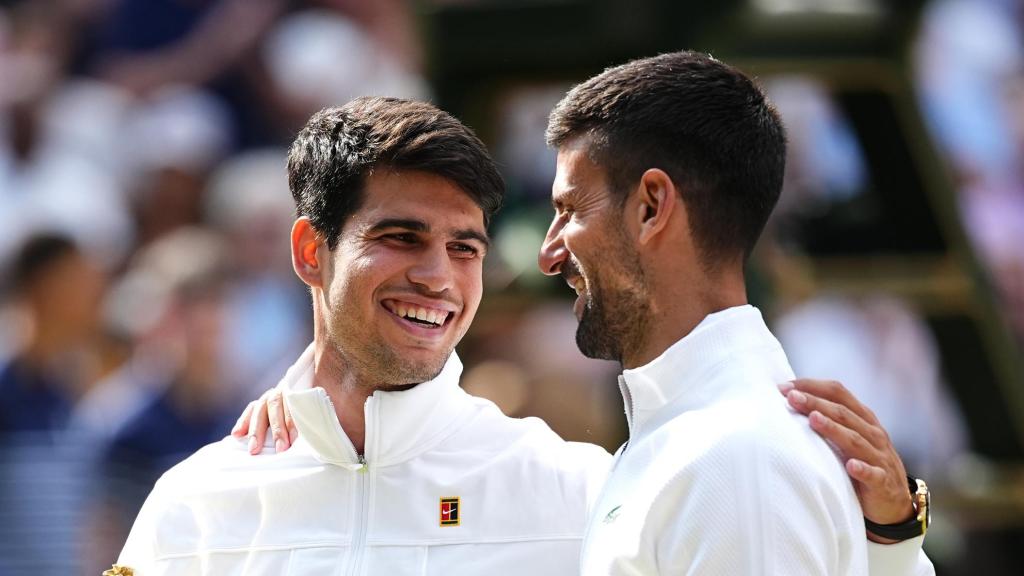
668	168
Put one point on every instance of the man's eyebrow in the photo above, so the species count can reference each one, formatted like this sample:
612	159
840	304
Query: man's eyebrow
561	197
470	234
403	223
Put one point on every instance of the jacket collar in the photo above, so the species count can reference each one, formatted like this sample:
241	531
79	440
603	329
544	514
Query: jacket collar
686	375
399	425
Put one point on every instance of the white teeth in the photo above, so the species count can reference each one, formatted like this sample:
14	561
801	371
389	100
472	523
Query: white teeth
433	316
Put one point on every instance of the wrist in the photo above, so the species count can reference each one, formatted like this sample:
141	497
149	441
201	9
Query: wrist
880	540
914	525
906	515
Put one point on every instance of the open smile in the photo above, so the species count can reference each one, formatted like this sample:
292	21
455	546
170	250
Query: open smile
418	316
577	283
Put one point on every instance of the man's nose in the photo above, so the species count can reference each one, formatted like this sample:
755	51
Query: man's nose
553	251
433	270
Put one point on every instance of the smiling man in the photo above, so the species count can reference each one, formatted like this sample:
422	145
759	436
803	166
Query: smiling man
668	169
398	470
405	276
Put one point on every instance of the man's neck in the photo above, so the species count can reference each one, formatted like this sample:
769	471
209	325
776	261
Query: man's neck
347	392
343	382
675	315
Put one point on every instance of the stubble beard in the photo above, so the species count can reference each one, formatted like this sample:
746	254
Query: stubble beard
615	318
379	366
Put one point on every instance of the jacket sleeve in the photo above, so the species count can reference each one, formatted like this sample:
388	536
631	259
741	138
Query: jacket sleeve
903	559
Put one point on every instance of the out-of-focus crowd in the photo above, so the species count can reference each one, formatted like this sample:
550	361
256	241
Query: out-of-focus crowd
147	292
144	217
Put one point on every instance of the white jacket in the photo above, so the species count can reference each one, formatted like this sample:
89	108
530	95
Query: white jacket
316	509
719	476
522	494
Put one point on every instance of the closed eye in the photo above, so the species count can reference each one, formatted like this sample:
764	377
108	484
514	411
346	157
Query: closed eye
564	204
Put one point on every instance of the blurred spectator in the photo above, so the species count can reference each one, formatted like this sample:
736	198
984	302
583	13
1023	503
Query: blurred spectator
55	170
876	345
174	138
319	57
59	290
824	162
528	164
882	351
181	279
145	45
967	49
972	87
274	62
42	466
266	306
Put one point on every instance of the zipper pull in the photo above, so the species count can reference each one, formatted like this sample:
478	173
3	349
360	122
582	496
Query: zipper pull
362	463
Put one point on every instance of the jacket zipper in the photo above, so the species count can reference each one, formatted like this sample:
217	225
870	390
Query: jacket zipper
363	497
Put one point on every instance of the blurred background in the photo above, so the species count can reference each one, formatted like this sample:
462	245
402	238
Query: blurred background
147	294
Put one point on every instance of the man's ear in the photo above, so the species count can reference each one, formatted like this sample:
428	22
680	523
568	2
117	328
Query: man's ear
657	201
306	245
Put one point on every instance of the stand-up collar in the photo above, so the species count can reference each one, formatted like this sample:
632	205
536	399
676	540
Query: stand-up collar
681	375
399	425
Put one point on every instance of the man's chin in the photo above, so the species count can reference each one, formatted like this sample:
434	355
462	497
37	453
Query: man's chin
412	369
592	343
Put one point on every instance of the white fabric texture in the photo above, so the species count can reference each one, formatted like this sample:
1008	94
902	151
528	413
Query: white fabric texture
719	476
316	509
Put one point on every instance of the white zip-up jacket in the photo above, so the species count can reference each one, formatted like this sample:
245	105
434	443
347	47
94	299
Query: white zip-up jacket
719	476
520	494
448	486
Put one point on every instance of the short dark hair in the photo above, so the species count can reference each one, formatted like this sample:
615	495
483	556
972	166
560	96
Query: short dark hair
340	147
706	124
37	255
